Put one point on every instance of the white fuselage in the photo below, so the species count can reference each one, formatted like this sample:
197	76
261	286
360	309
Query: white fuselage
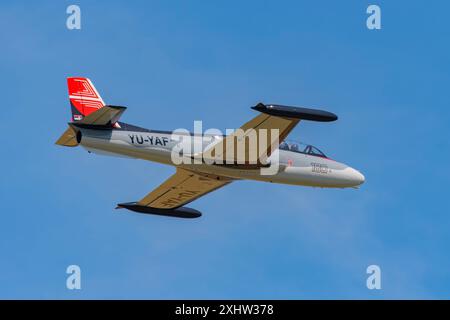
291	167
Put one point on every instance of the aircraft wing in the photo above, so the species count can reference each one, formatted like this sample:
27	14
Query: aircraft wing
281	118
181	188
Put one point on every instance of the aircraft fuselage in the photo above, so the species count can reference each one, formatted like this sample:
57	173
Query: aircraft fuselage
292	167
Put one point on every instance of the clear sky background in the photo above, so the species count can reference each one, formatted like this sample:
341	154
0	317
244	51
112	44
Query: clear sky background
175	62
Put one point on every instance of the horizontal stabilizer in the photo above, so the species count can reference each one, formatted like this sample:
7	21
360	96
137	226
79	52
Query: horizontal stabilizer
69	138
106	116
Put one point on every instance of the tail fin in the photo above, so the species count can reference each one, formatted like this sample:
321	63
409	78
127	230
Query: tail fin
84	98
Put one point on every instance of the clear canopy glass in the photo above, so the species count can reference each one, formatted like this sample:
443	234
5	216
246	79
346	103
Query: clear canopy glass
300	147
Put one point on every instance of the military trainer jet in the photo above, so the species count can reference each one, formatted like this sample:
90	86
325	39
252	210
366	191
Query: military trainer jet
216	163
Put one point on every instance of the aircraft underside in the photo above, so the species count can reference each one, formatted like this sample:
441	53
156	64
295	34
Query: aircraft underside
205	163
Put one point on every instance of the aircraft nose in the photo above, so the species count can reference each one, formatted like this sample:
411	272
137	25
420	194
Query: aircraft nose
357	177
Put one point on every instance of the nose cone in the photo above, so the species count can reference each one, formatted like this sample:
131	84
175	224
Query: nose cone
356	177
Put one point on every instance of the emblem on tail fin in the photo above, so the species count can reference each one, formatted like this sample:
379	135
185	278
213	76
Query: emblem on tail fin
84	98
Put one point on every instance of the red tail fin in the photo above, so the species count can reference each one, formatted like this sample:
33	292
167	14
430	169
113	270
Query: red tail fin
84	98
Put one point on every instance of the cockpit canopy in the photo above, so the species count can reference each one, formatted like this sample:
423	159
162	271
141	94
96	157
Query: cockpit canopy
300	147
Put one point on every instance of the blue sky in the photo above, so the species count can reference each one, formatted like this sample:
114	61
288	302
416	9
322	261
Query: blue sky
173	63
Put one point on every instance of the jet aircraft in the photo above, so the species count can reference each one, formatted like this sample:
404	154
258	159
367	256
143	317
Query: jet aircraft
96	127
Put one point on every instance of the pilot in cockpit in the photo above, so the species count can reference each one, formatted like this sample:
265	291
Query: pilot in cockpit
284	146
